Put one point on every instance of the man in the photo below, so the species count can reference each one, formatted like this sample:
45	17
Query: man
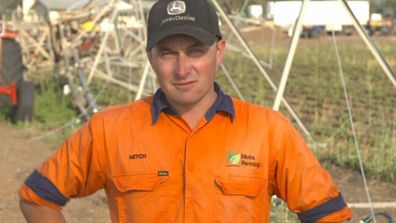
189	153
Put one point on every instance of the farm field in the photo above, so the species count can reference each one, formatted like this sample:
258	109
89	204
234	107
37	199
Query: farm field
315	92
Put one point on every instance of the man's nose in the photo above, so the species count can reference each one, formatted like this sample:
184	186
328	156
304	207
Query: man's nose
183	66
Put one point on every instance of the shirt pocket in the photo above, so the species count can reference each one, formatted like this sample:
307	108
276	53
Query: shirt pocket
140	197
240	197
137	182
240	185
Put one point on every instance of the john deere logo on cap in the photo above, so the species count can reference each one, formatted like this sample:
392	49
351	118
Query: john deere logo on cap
234	159
176	8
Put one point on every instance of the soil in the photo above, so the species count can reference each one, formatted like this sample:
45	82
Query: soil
21	155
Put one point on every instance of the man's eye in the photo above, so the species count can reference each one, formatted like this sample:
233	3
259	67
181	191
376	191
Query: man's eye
165	53
196	51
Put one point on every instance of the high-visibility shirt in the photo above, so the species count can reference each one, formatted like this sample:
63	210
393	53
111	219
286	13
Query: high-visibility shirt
155	168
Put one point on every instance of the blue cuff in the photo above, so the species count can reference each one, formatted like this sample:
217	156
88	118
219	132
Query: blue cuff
45	189
328	207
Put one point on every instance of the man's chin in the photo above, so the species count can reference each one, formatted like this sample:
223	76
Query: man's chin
187	99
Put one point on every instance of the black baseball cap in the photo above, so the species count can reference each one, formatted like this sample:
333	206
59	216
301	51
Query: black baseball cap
195	18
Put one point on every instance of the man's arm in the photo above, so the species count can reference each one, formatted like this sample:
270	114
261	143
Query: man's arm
73	171
300	180
34	213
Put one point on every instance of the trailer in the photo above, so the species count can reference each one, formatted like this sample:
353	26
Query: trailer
320	15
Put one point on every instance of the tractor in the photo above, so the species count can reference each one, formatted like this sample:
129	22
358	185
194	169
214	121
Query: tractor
15	92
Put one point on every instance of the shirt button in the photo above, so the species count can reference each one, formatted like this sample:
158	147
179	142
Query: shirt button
190	168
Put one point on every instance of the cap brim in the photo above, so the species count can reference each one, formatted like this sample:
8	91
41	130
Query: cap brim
199	34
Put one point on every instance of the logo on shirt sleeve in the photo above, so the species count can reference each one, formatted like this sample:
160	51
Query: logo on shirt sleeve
241	159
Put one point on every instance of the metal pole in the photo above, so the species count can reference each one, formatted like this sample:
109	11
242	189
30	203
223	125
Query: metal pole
370	43
271	59
142	81
99	16
101	49
229	78
290	55
374	204
256	61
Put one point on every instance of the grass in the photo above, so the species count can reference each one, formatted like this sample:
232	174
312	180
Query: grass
280	212
52	108
51	111
4	112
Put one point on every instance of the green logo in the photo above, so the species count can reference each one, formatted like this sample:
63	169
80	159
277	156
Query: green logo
234	159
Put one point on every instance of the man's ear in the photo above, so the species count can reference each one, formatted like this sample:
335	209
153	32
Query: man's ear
149	56
220	51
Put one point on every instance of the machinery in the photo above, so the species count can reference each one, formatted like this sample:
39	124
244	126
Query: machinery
379	24
14	90
90	45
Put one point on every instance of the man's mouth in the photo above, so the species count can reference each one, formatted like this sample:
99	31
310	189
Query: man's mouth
184	84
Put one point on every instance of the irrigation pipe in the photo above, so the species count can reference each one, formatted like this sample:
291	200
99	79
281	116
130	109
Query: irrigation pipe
373	204
370	44
54	131
256	61
229	78
236	49
143	81
341	73
290	56
101	49
107	9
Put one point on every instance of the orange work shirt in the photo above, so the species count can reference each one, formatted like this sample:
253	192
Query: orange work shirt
154	168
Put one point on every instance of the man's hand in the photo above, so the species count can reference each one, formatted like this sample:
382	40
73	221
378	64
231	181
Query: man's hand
35	214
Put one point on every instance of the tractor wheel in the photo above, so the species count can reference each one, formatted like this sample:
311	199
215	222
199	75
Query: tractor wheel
12	67
24	109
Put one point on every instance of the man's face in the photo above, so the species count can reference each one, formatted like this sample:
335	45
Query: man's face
186	69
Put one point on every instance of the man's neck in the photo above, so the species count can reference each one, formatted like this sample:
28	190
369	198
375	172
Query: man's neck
193	113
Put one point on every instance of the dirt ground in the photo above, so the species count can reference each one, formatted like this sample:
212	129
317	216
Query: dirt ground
20	156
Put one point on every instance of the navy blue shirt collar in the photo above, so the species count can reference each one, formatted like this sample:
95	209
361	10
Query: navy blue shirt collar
222	103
